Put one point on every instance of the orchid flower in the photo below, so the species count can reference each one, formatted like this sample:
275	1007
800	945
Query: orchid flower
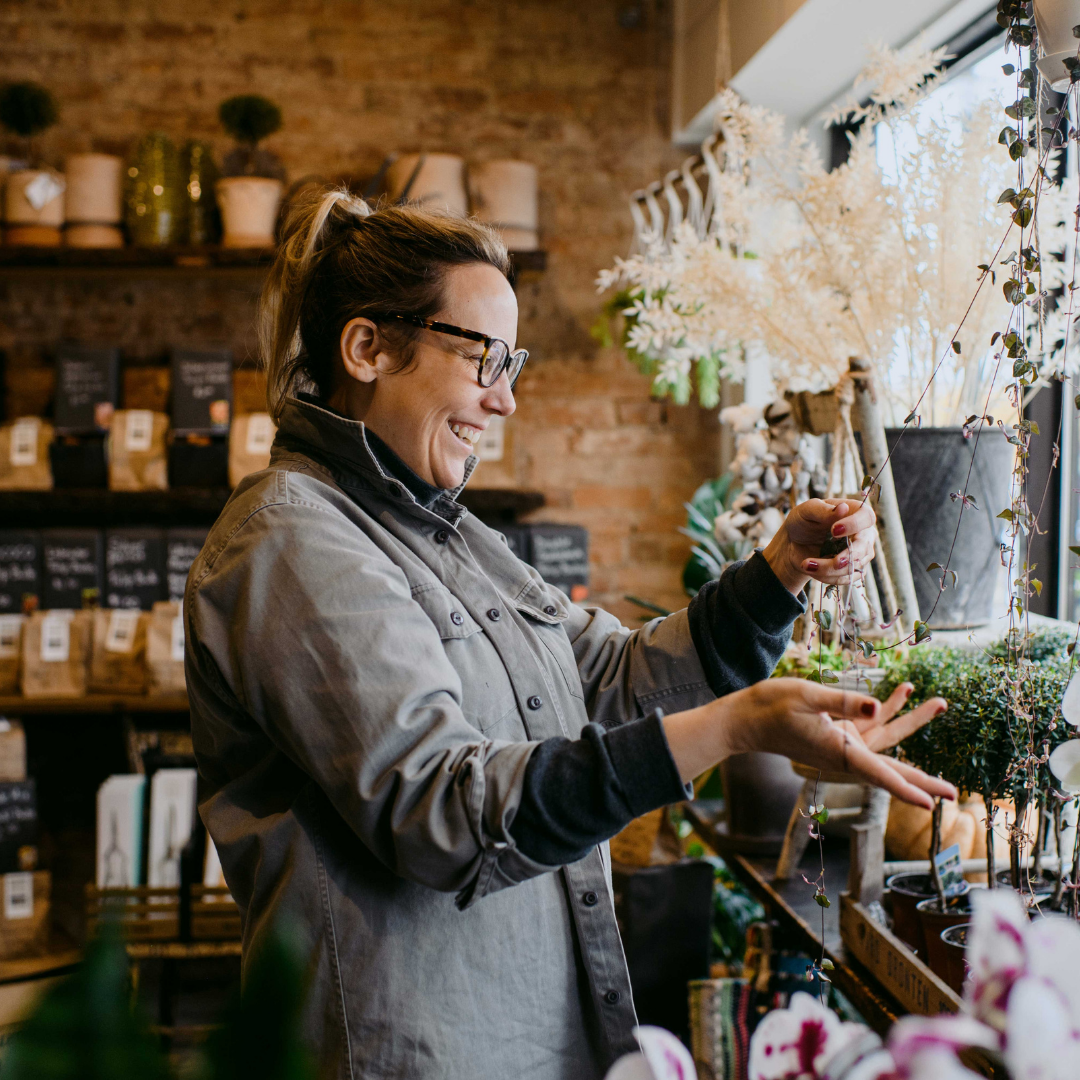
662	1057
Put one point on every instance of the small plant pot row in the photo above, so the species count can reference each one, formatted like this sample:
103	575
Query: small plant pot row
937	936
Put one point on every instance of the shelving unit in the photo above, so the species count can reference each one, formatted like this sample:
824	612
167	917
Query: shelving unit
198	260
100	704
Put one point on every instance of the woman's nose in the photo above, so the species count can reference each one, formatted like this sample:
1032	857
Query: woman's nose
500	397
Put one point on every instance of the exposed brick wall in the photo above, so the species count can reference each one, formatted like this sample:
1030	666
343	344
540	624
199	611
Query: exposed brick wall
557	82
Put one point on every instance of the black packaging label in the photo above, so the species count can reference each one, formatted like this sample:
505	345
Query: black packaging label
134	568
87	389
202	385
72	563
560	553
20	568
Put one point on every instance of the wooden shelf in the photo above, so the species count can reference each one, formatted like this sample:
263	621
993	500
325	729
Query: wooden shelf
99	508
101	704
184	259
61	957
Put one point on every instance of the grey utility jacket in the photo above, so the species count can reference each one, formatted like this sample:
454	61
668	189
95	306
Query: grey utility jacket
368	681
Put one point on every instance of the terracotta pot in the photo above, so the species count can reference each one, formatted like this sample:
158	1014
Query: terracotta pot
957	912
94	190
954	946
435	181
503	194
34	197
1054	19
249	209
902	893
32	236
93	236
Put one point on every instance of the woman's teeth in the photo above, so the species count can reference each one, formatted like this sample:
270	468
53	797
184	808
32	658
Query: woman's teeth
470	435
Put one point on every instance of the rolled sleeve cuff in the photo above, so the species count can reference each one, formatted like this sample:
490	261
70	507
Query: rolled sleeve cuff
764	597
643	764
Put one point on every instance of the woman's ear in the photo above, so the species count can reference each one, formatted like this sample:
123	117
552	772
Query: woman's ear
360	350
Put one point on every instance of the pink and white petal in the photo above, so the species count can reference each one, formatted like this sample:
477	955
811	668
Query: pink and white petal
793	1041
630	1067
1041	1042
1065	765
667	1057
1053	948
914	1036
936	1064
1070	702
997	953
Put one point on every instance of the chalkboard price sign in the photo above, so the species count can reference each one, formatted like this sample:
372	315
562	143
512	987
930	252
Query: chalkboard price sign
134	568
202	384
72	564
560	553
20	568
18	822
87	389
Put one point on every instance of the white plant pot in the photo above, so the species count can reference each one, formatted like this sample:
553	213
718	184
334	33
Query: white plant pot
504	194
249	208
34	197
439	185
93	189
1054	19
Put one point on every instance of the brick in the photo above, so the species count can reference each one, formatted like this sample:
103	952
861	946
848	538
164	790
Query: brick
600	496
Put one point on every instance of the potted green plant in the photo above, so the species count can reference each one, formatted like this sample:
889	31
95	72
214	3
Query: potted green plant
33	197
249	192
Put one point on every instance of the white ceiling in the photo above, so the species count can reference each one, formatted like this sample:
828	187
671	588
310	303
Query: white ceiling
814	57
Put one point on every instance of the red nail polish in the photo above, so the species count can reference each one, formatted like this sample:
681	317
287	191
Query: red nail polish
839	529
842	561
868	708
811	564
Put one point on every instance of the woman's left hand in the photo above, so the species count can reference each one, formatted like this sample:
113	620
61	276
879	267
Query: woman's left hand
794	553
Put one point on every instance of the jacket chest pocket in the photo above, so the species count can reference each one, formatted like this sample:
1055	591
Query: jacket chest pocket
487	695
546	614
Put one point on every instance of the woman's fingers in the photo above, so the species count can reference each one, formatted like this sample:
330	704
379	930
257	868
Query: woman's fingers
882	772
845	704
934	785
898	730
860	516
895	701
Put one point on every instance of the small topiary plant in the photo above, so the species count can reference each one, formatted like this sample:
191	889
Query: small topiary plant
250	118
26	110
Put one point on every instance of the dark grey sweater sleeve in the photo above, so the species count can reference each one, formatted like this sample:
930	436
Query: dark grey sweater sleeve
579	793
741	624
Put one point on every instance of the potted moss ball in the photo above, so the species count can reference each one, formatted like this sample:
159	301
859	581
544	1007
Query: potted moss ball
33	197
249	192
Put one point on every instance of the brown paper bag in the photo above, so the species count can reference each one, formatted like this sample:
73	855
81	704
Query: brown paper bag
10	647
165	650
24	455
118	658
249	445
56	653
137	454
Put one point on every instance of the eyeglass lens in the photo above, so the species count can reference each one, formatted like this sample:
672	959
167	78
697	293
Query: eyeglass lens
499	359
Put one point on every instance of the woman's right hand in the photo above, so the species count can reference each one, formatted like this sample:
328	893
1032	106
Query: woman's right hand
795	717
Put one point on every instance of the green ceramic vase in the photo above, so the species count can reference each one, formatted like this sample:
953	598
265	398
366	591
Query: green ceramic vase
154	204
202	222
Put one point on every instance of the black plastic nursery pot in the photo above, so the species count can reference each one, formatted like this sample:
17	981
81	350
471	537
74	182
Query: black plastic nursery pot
928	465
957	911
903	893
954	946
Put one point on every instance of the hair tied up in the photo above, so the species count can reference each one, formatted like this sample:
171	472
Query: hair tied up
348	201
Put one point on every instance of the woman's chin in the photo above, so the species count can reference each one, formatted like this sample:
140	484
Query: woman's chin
450	474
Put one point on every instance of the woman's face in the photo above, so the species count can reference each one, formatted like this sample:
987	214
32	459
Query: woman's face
432	413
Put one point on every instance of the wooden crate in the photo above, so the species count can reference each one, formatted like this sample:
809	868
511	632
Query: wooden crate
894	965
153	914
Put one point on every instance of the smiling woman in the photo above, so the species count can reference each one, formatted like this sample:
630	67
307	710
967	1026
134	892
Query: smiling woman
413	747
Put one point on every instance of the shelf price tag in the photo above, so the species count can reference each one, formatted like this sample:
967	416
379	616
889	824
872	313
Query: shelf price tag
138	429
260	433
18	896
120	635
10	625
24	440
56	637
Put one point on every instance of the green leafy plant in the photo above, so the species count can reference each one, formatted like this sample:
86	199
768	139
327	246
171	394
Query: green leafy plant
250	118
708	557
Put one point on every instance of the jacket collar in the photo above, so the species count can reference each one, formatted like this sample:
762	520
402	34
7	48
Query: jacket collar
343	444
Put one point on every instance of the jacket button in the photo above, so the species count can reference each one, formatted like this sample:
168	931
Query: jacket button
494	614
613	997
442	536
590	898
457	618
535	702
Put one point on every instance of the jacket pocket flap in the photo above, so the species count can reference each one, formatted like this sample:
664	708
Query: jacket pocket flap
543	604
446	612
